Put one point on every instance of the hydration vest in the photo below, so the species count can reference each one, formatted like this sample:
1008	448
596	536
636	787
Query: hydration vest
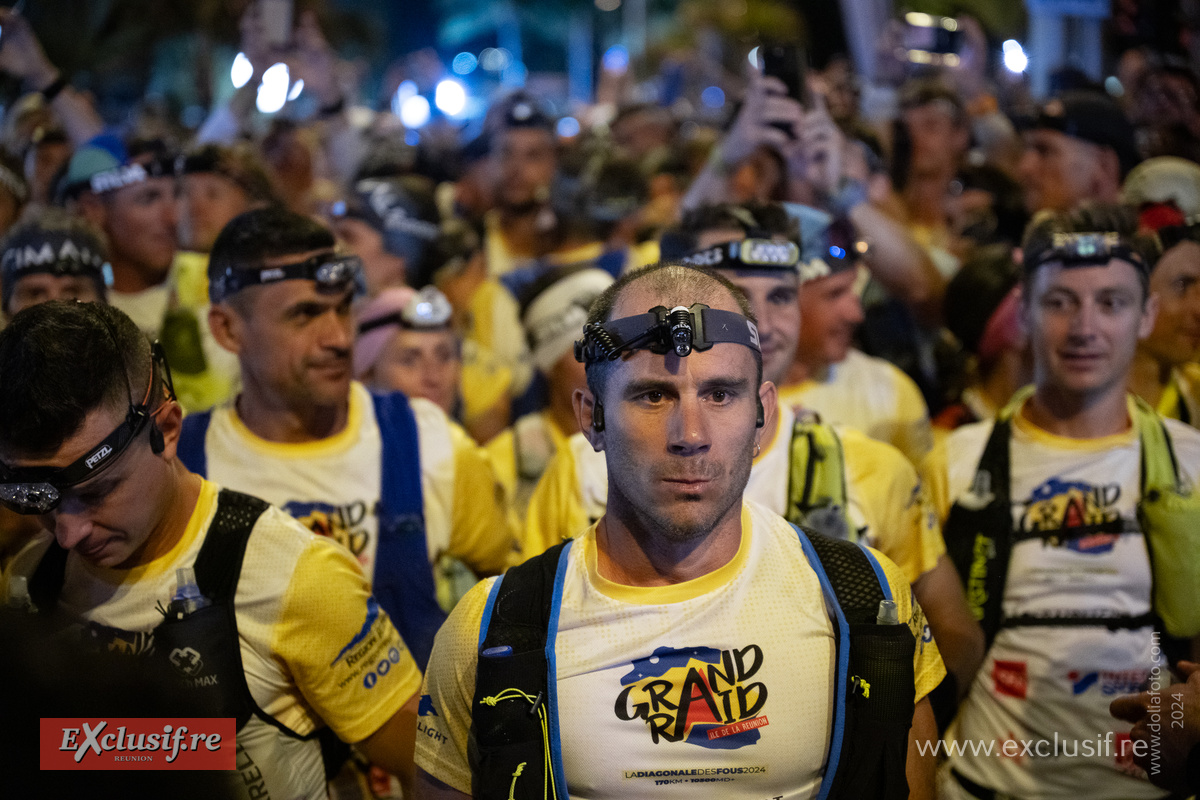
816	495
979	533
514	747
203	651
403	581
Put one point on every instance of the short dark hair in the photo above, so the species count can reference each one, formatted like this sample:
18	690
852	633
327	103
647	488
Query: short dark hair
240	163
677	279
253	236
1096	217
61	360
767	220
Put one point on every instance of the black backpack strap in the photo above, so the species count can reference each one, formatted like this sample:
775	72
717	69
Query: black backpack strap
874	690
219	562
45	585
513	744
979	530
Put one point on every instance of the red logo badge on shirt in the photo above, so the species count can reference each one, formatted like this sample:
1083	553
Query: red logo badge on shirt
1010	678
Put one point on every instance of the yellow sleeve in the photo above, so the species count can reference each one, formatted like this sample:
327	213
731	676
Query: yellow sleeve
902	522
485	382
928	669
556	509
342	650
935	469
482	532
444	718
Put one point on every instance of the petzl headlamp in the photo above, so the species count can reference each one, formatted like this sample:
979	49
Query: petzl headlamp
660	330
331	273
747	254
38	490
1087	249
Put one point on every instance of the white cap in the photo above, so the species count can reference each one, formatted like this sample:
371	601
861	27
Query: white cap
555	318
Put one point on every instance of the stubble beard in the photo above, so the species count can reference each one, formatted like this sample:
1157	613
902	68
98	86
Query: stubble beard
647	522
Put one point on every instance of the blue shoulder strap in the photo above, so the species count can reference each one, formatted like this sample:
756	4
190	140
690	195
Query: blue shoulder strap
527	609
403	580
191	442
841	638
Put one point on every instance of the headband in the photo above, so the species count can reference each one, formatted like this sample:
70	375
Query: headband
1087	249
747	254
680	330
330	271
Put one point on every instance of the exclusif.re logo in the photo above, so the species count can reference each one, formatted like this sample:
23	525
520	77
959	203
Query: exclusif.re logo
138	743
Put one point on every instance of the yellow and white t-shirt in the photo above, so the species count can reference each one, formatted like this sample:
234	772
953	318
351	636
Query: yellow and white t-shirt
754	635
520	454
872	395
885	499
314	651
1042	682
333	485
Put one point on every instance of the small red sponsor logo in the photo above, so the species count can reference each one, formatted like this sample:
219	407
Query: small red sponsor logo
138	743
1010	678
737	727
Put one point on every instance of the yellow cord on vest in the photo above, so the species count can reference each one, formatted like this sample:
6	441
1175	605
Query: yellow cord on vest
548	787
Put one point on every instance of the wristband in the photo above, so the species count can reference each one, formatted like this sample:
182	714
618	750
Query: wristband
56	86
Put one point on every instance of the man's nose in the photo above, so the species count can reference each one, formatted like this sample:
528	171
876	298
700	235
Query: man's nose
688	432
337	332
70	529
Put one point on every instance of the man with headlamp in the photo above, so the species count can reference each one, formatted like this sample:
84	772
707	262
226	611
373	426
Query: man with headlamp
831	478
609	637
258	617
54	257
555	309
388	477
1074	520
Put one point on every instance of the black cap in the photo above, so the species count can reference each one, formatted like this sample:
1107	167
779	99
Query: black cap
1094	118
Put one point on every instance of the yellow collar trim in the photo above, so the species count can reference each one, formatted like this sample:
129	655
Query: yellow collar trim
340	442
1042	436
676	592
202	514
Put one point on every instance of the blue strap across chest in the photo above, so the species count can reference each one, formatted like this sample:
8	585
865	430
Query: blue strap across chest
403	581
191	443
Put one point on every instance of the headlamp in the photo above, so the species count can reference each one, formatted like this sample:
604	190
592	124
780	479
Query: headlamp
330	272
38	490
1087	249
427	310
661	330
747	254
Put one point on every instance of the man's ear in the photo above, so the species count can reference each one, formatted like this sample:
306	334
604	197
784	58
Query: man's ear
768	396
1149	316
584	403
228	327
169	420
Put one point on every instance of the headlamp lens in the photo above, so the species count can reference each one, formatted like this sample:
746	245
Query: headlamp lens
29	498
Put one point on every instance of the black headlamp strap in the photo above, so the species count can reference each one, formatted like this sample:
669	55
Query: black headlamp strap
1087	249
680	330
328	270
752	253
